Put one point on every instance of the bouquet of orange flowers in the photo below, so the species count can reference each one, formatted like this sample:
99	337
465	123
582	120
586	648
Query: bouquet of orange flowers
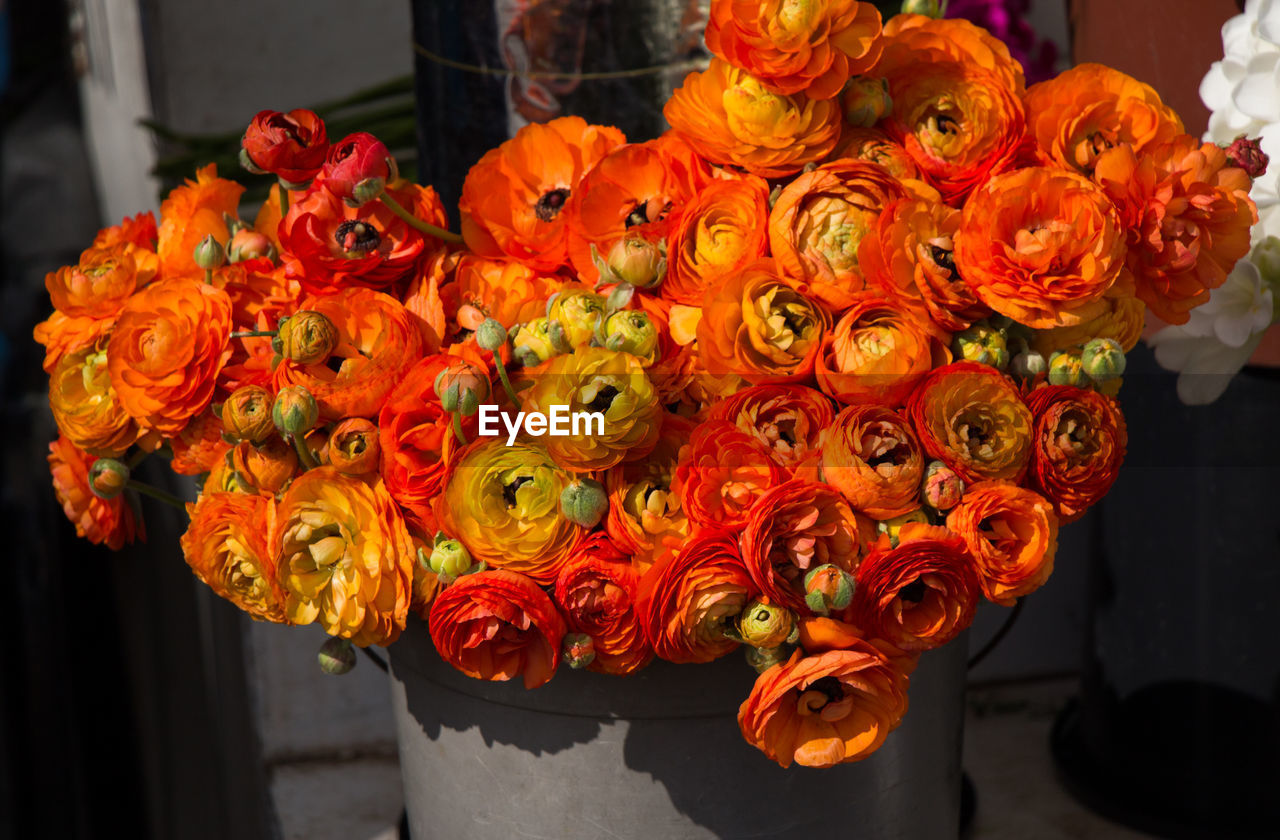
807	375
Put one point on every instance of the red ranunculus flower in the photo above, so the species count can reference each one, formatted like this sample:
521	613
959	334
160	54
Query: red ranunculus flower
1077	447
596	591
353	159
291	146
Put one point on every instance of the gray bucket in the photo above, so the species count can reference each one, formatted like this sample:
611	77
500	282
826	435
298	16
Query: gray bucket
656	756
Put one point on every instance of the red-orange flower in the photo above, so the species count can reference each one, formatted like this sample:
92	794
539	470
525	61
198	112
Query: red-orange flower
497	625
199	446
877	353
100	521
1011	534
730	117
722	230
645	508
919	595
721	473
873	458
267	468
874	146
1079	441
508	291
797	47
819	711
691	595
596	591
513	199
290	146
1041	246
227	546
788	419
166	350
191	212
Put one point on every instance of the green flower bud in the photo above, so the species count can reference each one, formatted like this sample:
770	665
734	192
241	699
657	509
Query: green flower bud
491	335
766	625
828	588
461	387
762	659
941	489
532	342
209	254
307	337
337	656
1028	365
1067	369
449	557
928	8
982	344
636	260
578	651
631	331
584	502
108	477
1266	256
367	190
866	101
1103	359
295	411
579	314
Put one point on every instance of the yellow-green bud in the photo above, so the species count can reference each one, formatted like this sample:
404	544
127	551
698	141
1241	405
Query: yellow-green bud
928	8
982	344
449	557
636	260
584	502
247	414
1103	359
108	477
491	335
367	190
209	254
577	650
337	656
1067	369
766	625
866	101
579	314
295	411
307	337
1266	256
631	331
461	388
532	343
828	588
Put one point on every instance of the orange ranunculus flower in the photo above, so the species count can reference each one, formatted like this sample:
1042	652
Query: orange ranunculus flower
634	190
199	446
513	199
794	528
377	345
722	471
819	711
810	48
644	506
85	406
959	40
227	546
108	522
819	219
62	334
505	290
689	597
191	212
136	232
97	286
166	350
1188	216
422	298
1080	113
723	229
260	291
730	117
757	326
266	468
874	146
1011	534
971	417
919	595
328	245
819	634
877	353
497	625
596	591
1078	445
788	419
908	256
873	458
1122	321
595	380
1041	246
343	557
503	503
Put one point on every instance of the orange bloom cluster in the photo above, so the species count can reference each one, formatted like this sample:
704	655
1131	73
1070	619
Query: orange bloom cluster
846	341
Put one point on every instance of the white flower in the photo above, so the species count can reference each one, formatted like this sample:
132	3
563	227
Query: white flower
1220	336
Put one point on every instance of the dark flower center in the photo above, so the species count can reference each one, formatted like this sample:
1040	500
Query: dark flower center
603	399
829	686
509	490
550	204
912	593
356	237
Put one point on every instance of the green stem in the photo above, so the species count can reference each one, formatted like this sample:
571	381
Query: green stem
253	333
304	453
506	380
208	276
138	458
284	201
416	223
457	428
155	493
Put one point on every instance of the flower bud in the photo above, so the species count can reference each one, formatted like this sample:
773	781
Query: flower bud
982	344
928	8
491	335
1247	154
584	502
1066	369
247	415
108	477
307	337
1028	365
449	557
636	260
828	588
579	313
532	342
247	164
766	625
631	331
353	447
893	527
461	387
941	489
762	659
866	101
354	159
1103	359
295	411
247	244
368	189
1266	256
337	656
209	254
578	651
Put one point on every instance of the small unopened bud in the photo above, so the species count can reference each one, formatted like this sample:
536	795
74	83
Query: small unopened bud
1067	369
307	337
337	656
636	260
367	190
246	415
766	625
108	477
1266	256
247	164
247	244
353	447
577	650
491	335
828	588
866	101
893	527
1028	365
928	8
1103	359
579	314
209	254
532	342
631	331
982	344
942	488
461	388
295	411
449	557
1247	154
584	502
